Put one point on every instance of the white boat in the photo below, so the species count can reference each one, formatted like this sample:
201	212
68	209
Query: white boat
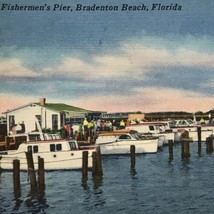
152	129
58	155
192	127
119	142
207	127
163	128
193	135
183	125
35	136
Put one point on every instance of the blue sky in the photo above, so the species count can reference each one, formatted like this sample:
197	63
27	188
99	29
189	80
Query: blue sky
109	60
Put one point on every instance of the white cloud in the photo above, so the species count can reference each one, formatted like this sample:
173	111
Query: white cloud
187	57
15	68
133	58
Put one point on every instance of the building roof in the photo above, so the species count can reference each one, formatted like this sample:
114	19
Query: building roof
59	107
62	107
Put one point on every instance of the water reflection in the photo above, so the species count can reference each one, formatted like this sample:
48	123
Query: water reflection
98	182
84	183
98	192
186	162
36	200
133	172
93	197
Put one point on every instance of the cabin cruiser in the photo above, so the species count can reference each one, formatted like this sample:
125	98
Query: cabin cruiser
58	155
156	129
119	142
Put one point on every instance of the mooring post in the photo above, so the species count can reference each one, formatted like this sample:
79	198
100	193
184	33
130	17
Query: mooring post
99	162
199	139
185	148
170	142
31	170
84	165
97	169
185	134
209	143
16	176
94	163
41	172
132	152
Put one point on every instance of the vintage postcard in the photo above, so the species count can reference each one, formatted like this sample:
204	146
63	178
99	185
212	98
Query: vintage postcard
85	70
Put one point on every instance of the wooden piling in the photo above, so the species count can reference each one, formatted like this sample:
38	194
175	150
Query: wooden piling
84	165
41	172
94	163
199	139
133	159
185	134
185	151
16	176
31	170
97	163
209	144
170	143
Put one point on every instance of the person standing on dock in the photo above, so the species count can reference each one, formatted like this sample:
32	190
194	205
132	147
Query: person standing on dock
202	121
85	127
67	130
91	127
122	124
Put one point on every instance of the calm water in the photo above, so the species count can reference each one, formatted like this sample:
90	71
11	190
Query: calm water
156	186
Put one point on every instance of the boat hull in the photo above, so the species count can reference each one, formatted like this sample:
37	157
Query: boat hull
55	161
193	135
123	147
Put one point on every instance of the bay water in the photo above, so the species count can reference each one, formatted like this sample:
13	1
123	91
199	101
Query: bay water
156	185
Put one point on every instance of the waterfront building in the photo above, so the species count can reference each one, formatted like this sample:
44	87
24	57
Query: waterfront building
42	115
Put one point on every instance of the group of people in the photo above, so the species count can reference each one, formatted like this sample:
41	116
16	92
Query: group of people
90	128
103	125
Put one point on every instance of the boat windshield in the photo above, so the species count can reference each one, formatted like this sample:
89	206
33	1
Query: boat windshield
136	136
190	121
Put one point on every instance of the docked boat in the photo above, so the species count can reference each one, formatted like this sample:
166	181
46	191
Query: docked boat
183	125
192	127
58	155
193	135
154	129
36	136
119	142
207	127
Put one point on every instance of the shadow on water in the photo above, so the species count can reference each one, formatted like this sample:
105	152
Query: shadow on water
98	182
93	197
35	201
186	161
133	172
17	199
